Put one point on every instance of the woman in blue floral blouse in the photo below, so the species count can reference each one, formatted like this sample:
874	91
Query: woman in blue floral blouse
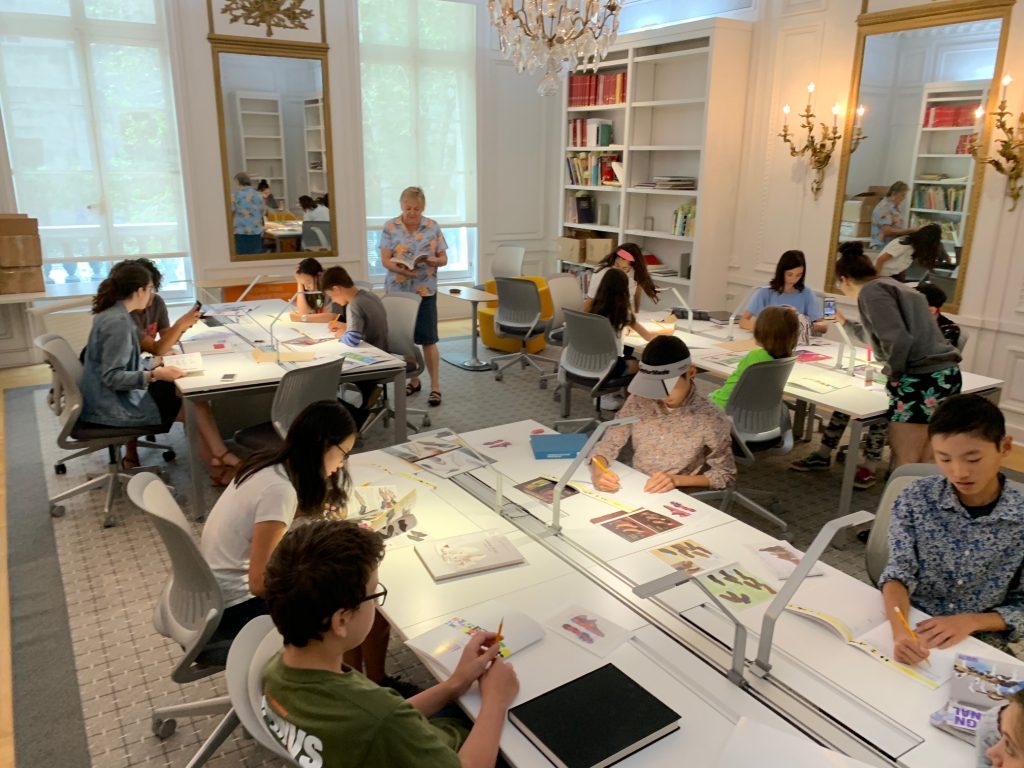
247	210
412	249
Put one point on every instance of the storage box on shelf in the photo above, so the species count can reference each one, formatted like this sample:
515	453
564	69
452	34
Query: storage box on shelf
684	104
21	255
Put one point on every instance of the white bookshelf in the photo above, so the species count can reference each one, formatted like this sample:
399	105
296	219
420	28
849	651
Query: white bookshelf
315	145
935	153
683	115
261	129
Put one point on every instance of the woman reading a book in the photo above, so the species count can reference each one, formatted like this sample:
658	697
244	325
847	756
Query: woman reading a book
887	219
626	258
787	289
412	249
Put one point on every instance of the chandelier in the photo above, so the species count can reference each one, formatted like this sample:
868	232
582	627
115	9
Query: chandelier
555	36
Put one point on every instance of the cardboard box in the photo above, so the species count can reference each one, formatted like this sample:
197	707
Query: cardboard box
855	229
570	249
598	248
859	208
584	248
21	280
19	241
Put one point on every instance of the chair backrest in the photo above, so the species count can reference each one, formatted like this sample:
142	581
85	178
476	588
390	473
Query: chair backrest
565	293
508	261
250	651
190	606
591	347
961	341
67	372
316	235
401	309
301	387
518	305
756	405
63	317
876	554
366	285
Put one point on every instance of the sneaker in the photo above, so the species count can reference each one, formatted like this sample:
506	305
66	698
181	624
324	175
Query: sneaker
611	402
864	478
811	463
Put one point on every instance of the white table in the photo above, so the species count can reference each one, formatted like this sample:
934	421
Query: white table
474	297
247	375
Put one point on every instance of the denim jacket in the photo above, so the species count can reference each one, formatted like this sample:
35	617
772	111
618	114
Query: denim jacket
113	377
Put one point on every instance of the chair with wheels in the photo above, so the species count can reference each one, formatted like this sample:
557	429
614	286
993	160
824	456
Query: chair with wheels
401	309
565	293
876	553
83	437
760	424
188	610
518	317
508	261
298	388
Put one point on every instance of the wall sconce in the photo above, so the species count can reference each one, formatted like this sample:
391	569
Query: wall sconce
820	152
858	133
1011	147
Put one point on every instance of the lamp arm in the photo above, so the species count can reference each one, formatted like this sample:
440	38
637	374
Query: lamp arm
842	349
762	665
556	503
277	346
739	310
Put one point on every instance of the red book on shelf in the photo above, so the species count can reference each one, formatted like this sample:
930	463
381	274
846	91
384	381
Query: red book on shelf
593	90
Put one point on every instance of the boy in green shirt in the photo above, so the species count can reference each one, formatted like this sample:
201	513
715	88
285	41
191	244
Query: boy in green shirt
776	331
322	590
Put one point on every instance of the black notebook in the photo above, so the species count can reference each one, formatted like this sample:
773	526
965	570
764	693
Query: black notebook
594	720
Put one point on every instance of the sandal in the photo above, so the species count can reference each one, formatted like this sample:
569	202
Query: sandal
435	398
221	474
127	465
412	389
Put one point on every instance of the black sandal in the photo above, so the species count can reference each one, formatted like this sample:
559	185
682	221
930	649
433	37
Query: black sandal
435	397
412	389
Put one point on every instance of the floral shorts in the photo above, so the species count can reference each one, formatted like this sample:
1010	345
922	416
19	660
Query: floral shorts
914	398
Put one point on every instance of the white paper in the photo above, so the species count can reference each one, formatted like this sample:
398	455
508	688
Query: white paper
446	642
588	630
190	362
753	744
782	558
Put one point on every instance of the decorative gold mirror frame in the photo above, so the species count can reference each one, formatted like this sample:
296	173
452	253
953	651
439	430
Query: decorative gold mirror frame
917	17
293	50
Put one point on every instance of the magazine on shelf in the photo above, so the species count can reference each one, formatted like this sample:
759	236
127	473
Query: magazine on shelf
979	684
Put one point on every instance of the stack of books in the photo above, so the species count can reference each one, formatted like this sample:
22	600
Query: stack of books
978	686
675	182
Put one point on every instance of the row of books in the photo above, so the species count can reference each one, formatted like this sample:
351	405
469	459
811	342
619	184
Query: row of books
684	220
593	170
965	144
950	230
938	198
949	116
593	89
592	132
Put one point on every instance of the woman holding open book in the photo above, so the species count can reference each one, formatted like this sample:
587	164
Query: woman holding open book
412	249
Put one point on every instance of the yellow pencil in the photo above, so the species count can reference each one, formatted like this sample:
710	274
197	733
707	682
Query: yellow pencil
906	624
501	624
600	466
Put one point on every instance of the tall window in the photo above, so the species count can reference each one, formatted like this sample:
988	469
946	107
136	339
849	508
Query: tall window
88	110
418	71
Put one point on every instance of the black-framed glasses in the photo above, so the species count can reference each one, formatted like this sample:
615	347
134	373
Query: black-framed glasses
377	597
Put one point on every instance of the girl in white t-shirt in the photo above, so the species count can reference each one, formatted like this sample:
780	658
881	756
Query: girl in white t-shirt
629	259
270	489
923	246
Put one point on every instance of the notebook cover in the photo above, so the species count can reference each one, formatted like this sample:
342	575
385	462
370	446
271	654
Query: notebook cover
594	720
557	446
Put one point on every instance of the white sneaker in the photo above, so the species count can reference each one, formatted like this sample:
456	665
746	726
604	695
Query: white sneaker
611	402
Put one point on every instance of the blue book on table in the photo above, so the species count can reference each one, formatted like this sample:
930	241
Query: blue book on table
557	446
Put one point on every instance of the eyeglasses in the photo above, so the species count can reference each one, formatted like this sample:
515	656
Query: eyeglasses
377	597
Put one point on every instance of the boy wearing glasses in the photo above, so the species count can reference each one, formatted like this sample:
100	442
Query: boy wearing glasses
322	590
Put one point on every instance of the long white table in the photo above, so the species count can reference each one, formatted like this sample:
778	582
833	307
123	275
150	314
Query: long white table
234	357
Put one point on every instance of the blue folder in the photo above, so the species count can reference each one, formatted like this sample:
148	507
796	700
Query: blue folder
557	446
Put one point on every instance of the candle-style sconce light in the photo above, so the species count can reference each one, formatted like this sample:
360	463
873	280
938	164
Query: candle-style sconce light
1010	161
818	150
858	131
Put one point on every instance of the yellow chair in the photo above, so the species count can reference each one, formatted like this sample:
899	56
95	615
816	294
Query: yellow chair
486	320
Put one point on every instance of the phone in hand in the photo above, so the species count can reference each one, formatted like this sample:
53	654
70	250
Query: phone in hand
197	306
830	308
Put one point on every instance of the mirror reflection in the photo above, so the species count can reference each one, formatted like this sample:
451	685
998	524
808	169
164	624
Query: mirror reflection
908	187
275	135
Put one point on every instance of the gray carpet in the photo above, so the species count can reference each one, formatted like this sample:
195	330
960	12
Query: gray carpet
48	722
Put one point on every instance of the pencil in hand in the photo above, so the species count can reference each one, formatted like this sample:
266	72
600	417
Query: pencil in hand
601	466
910	629
499	637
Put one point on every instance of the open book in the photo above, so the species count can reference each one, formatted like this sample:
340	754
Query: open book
470	553
190	362
406	259
446	642
378	508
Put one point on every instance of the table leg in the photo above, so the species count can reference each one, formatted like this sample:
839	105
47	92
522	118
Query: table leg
474	335
195	461
473	363
850	469
400	418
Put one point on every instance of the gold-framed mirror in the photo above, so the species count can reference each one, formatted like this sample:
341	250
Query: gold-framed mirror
274	119
921	73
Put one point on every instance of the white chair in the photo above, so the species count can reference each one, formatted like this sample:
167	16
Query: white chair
316	235
508	261
188	610
565	293
518	317
253	648
876	553
760	424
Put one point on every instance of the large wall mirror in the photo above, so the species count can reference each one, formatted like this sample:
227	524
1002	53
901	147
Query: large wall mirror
921	74
276	150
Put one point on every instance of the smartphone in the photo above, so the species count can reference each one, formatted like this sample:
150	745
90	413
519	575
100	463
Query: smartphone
830	308
228	377
197	306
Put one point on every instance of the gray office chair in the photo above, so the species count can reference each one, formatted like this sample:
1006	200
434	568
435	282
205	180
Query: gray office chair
590	352
518	317
508	261
876	554
401	309
961	342
188	610
565	293
83	437
760	424
298	388
316	235
253	648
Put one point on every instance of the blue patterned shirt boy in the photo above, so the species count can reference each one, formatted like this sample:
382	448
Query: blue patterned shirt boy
427	240
248	208
952	563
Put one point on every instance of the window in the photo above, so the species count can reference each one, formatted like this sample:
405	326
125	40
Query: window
418	72
88	110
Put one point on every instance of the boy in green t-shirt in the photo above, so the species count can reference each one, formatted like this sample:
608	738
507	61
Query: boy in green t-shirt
322	589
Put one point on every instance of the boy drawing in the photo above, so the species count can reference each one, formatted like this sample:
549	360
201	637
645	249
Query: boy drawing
322	589
955	539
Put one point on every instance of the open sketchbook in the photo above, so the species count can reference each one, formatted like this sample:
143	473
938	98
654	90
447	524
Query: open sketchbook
445	643
378	508
444	456
866	628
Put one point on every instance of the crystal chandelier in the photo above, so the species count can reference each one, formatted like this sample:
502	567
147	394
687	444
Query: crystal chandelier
555	35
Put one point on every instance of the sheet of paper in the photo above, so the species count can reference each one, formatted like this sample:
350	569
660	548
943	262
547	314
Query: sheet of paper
738	588
190	362
588	630
934	673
